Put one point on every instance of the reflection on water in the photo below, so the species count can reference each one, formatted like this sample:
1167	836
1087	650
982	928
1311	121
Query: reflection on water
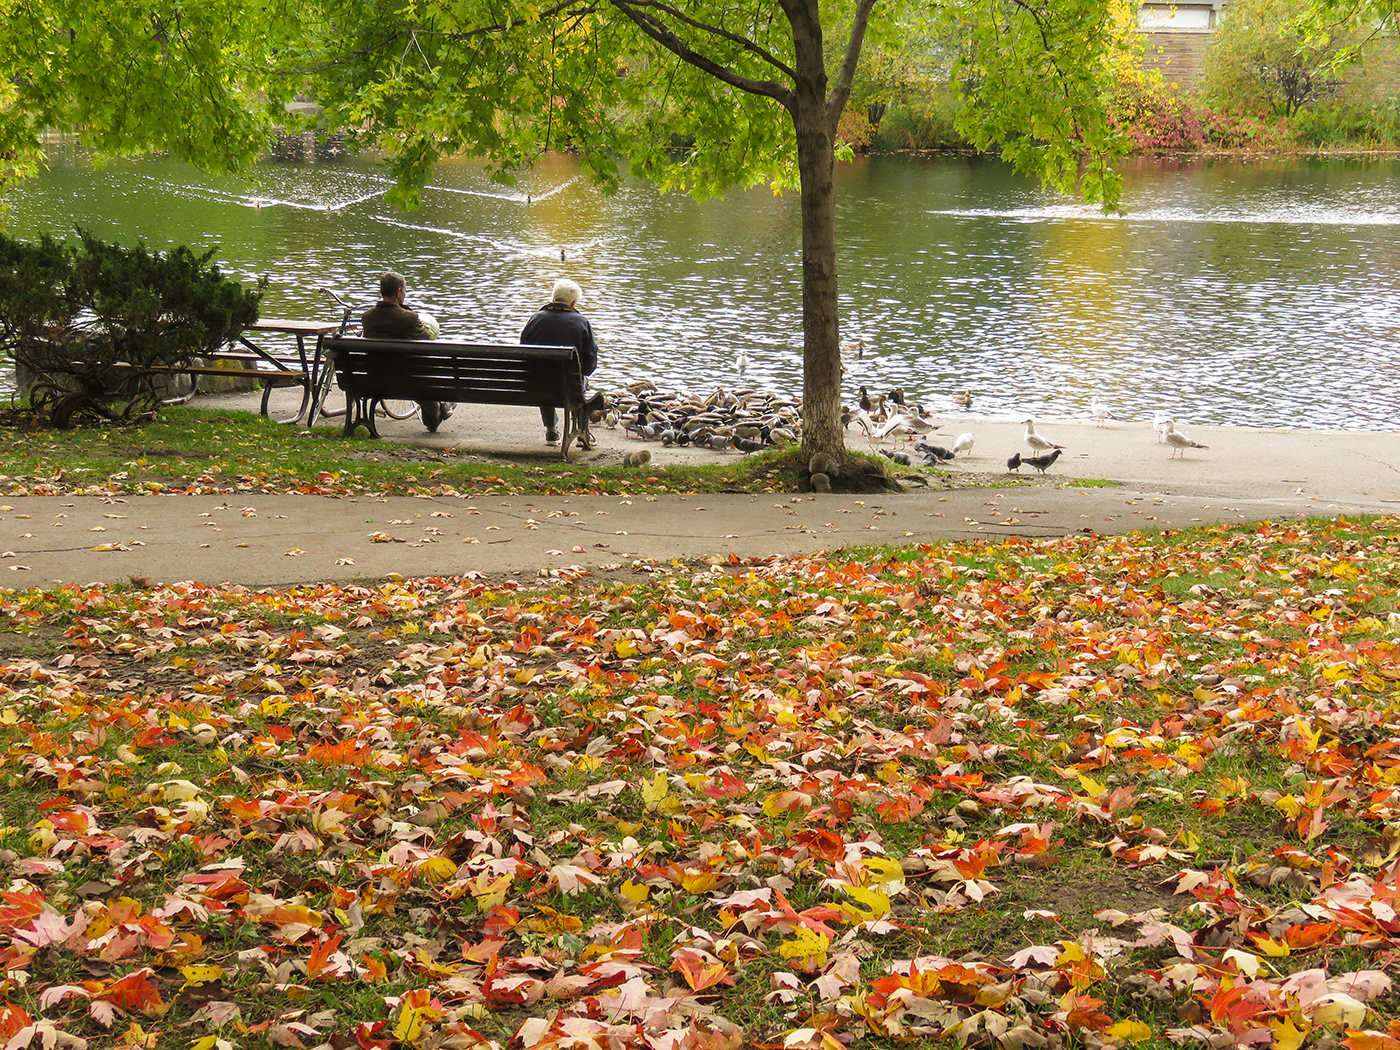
1228	292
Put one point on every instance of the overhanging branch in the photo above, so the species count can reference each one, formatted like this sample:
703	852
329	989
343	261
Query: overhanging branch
656	28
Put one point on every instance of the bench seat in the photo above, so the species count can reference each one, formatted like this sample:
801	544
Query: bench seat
374	370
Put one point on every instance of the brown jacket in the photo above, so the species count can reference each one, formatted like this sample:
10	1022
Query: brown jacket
389	320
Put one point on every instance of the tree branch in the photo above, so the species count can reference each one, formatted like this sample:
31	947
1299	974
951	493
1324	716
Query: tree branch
658	30
841	90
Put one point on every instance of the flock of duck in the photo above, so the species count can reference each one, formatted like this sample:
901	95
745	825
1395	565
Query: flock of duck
748	420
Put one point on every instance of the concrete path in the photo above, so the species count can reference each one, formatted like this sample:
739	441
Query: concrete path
260	540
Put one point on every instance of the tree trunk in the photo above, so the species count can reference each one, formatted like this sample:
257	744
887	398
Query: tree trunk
821	349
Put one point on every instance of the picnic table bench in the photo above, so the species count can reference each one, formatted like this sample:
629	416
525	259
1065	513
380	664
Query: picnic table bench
374	370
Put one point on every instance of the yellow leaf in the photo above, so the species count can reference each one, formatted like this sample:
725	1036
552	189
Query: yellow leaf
699	881
655	789
551	922
883	870
438	869
636	892
870	905
782	802
200	974
1286	1034
1270	947
1132	1031
489	892
625	648
1190	841
1289	805
416	1011
1091	787
274	708
807	949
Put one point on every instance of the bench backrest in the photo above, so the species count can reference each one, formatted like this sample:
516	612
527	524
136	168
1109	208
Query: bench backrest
484	373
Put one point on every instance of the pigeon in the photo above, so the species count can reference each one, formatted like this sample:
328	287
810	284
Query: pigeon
1042	463
1036	440
744	444
936	454
1014	463
902	458
1179	441
962	444
669	436
718	442
1100	411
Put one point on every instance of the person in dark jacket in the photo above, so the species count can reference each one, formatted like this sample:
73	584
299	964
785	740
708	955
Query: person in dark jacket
390	319
558	323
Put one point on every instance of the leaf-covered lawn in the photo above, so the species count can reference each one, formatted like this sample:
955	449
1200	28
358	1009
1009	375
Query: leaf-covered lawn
1030	795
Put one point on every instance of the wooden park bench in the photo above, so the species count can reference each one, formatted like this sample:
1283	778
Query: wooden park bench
375	370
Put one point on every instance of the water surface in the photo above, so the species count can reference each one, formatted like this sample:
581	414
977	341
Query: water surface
1258	293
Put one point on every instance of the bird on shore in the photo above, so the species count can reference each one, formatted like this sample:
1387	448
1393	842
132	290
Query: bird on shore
902	458
964	399
1036	440
1042	463
747	445
962	444
1179	441
1160	420
1100	411
935	454
1014	463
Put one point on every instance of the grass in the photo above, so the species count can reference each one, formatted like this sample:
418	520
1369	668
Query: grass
215	451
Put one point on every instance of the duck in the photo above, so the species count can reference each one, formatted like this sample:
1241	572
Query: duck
964	399
853	349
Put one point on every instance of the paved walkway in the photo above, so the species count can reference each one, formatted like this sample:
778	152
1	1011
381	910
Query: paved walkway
1246	474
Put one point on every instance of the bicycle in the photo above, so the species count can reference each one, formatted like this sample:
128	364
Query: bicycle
393	408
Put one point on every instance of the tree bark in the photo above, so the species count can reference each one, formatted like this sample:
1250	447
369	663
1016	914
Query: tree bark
816	134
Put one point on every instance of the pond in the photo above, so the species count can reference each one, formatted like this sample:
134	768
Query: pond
1251	292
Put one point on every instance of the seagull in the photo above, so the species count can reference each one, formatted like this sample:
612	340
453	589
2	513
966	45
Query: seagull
1100	411
1035	440
962	444
1014	463
1179	441
904	423
1042	463
1159	423
964	399
741	361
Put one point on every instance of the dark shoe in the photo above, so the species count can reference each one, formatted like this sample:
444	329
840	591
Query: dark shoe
551	436
595	403
447	408
431	412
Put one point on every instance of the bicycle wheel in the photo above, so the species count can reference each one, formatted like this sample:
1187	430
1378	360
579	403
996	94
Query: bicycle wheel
396	409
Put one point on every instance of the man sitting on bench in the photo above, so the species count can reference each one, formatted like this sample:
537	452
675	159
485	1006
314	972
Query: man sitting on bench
390	319
558	323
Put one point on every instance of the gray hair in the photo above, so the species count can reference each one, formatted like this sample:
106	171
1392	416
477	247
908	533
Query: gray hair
567	291
390	284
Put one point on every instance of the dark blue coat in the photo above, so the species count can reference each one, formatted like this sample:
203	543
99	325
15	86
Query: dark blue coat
558	325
